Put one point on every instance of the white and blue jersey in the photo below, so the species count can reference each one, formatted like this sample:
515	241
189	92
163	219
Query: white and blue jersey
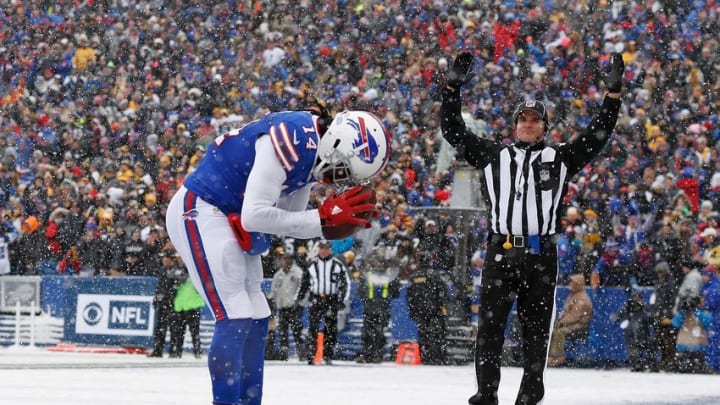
261	172
222	175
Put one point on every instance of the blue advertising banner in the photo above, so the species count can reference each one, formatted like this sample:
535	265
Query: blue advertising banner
109	310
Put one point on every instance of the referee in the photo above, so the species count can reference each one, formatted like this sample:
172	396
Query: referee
327	281
523	187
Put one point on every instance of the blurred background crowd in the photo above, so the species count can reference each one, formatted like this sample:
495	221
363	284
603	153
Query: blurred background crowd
105	106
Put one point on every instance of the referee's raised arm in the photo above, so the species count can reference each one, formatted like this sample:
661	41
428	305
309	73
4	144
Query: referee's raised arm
523	184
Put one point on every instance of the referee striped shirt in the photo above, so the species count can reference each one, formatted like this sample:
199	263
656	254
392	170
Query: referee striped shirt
524	184
326	277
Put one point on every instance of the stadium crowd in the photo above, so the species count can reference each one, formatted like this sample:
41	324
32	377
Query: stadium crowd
106	105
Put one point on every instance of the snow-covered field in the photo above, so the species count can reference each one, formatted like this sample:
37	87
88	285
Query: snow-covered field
33	377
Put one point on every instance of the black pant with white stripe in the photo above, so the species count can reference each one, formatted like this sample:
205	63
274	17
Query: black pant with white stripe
531	278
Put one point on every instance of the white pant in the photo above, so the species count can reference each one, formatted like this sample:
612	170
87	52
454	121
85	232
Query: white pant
227	278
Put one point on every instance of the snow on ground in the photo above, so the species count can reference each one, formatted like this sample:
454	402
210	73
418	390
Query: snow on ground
38	377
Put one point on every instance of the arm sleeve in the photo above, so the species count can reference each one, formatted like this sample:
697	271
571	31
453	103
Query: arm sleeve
475	150
595	136
297	201
260	212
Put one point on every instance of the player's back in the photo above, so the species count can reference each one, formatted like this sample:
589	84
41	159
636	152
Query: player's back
221	177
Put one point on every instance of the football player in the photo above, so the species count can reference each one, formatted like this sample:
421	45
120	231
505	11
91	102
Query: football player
253	182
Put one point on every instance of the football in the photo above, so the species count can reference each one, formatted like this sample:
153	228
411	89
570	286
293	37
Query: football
347	230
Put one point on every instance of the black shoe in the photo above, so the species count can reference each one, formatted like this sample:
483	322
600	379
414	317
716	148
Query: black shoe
175	355
360	359
477	399
155	354
311	362
328	362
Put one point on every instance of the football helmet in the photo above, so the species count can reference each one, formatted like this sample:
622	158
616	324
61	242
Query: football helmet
355	147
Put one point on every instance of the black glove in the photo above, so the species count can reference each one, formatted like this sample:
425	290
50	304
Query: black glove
460	72
613	81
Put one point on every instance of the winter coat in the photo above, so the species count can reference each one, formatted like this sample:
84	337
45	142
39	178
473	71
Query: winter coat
692	333
285	287
187	298
377	290
427	296
578	309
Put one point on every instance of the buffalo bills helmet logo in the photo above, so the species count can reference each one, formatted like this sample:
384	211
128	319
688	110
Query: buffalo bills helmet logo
365	144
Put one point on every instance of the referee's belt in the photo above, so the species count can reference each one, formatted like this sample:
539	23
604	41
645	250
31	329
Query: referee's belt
517	241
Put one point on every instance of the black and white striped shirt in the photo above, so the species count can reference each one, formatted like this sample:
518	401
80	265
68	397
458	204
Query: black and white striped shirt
326	277
524	184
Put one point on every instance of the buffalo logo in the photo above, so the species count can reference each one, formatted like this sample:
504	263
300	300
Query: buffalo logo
365	143
190	215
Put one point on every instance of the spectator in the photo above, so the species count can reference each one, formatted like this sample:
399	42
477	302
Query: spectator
29	248
611	269
711	303
635	321
568	251
574	319
8	235
91	252
53	232
666	245
692	340
691	285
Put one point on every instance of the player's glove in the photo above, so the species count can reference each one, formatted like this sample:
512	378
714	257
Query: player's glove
347	208
460	72
613	80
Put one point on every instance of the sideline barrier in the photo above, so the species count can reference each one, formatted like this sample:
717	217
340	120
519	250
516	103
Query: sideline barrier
117	311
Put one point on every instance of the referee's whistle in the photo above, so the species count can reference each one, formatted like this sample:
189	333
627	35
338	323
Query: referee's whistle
507	245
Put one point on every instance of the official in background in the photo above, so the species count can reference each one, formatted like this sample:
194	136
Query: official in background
328	283
524	184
